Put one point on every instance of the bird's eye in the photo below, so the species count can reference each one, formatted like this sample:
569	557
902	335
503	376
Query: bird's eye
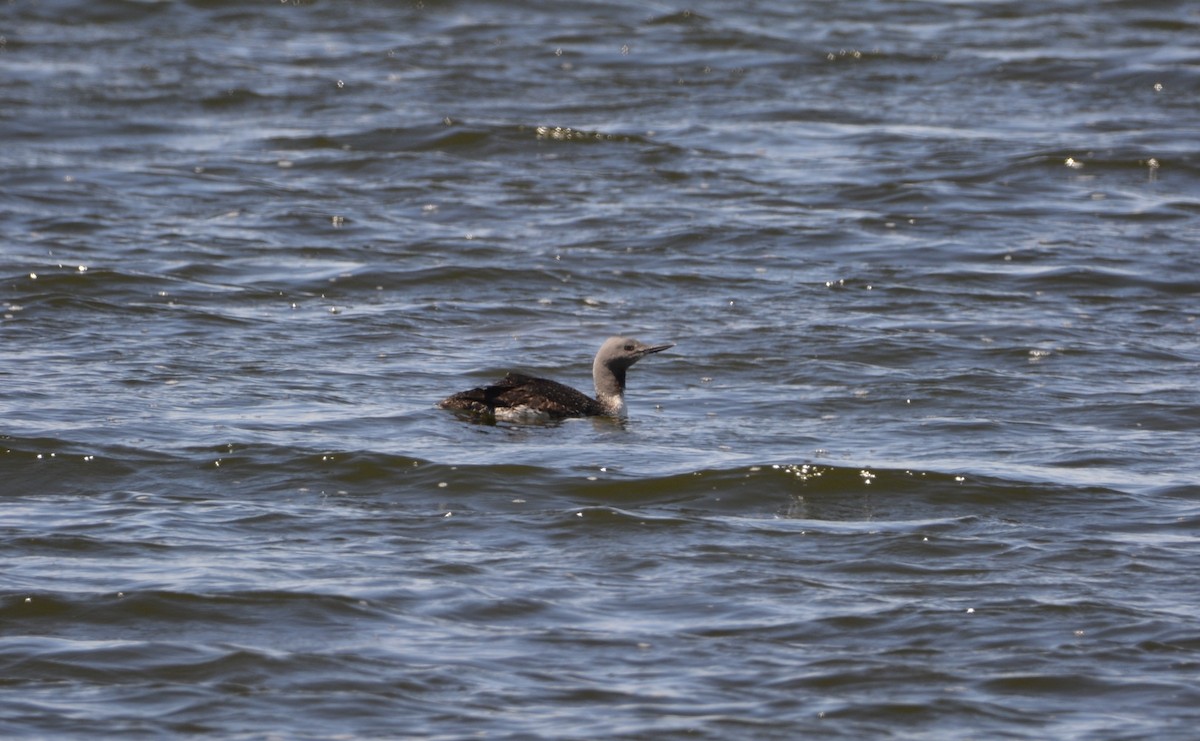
629	348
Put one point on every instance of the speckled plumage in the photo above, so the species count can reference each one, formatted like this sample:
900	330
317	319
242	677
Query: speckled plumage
518	395
520	392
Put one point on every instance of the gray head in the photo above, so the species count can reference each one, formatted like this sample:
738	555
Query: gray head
614	358
618	353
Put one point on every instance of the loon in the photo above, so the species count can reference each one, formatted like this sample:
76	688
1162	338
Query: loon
518	396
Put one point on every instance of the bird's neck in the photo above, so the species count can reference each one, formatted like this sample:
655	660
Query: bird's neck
610	388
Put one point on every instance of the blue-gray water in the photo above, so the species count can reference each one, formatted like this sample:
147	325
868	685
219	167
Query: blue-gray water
924	463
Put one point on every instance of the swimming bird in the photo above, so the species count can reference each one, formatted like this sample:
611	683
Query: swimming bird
518	396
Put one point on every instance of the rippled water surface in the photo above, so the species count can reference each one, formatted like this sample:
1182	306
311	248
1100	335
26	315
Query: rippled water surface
923	463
